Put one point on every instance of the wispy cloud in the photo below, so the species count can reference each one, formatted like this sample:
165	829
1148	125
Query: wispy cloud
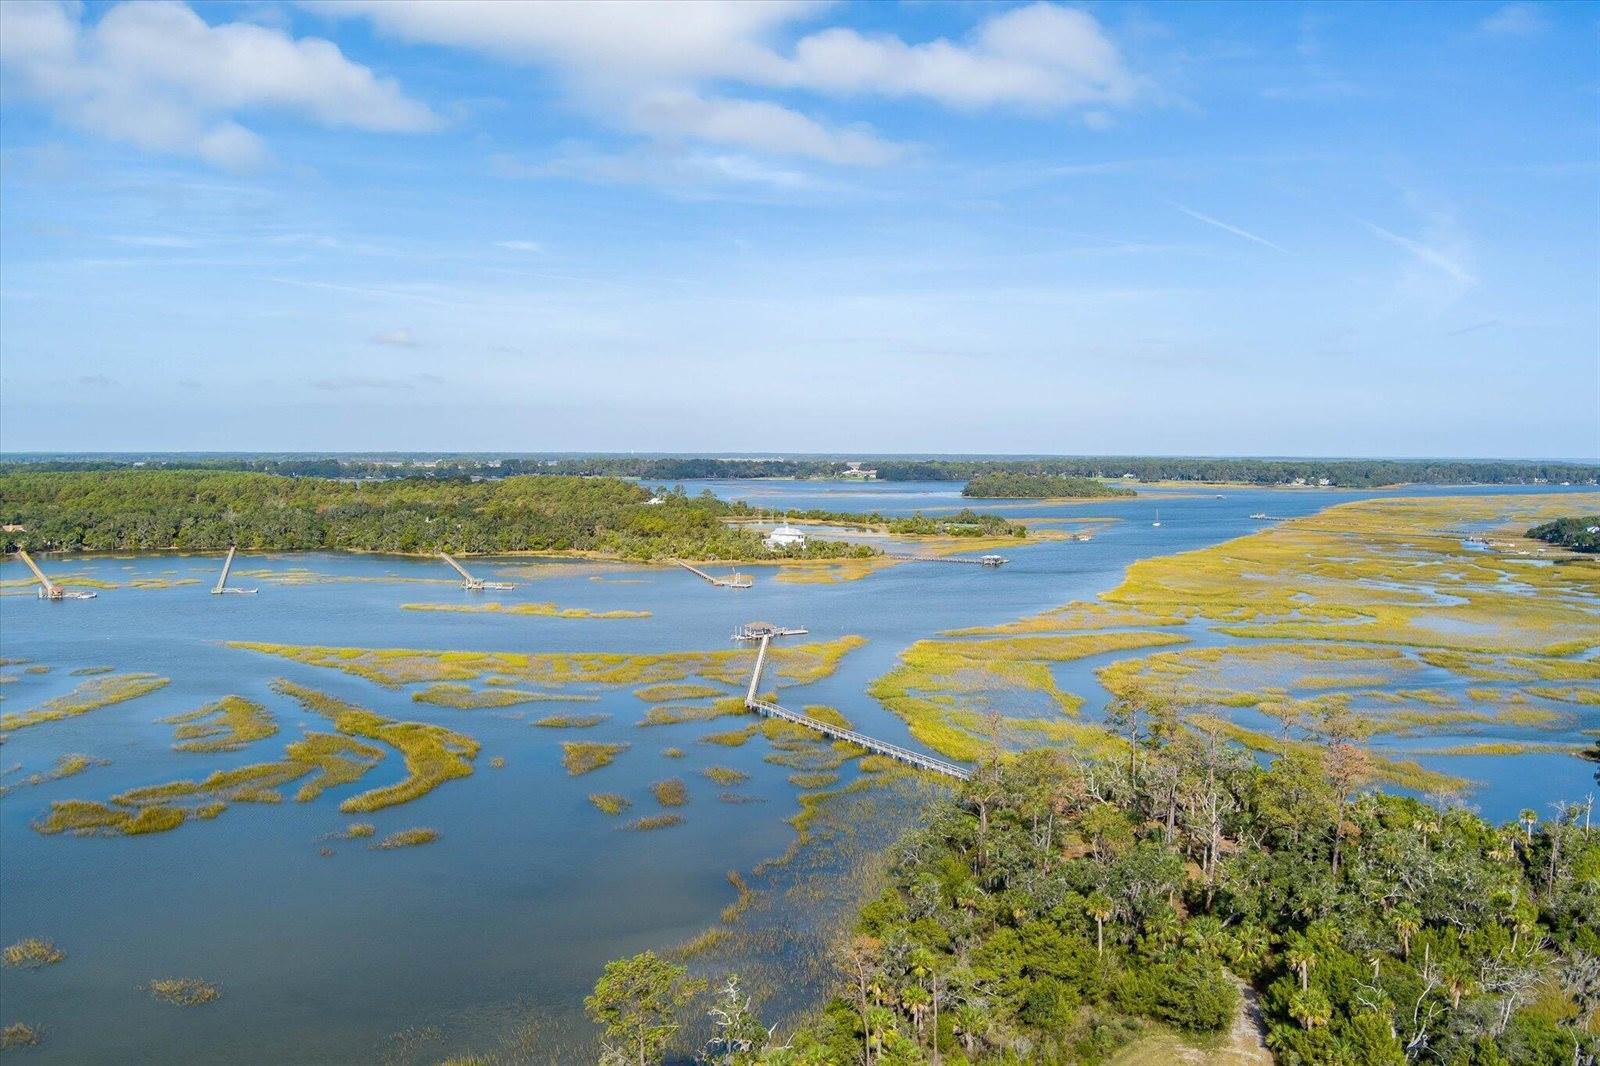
520	246
396	338
357	382
1451	265
1515	20
1230	228
1474	328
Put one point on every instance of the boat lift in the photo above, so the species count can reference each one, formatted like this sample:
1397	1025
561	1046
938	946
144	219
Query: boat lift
49	590
474	584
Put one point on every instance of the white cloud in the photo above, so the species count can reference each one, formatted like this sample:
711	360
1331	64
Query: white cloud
647	67
676	170
154	74
1450	262
519	246
395	338
1515	20
1235	230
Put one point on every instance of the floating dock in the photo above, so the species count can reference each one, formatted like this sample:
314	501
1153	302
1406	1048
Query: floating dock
764	632
732	581
49	590
222	582
474	584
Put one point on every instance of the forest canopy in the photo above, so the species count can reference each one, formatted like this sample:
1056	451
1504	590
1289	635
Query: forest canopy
1004	485
138	510
1581	534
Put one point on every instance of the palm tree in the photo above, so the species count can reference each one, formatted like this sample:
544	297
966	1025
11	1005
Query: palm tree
1310	1008
1301	956
1100	908
1528	818
1406	924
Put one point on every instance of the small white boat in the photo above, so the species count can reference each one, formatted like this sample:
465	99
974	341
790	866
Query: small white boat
1260	516
1157	522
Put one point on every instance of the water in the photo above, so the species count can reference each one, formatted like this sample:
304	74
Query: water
415	954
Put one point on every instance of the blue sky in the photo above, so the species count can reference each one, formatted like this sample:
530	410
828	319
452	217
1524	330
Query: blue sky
1335	229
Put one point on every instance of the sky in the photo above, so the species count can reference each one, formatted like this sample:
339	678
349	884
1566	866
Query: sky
1223	229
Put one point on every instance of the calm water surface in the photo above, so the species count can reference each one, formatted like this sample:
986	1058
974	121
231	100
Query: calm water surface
415	954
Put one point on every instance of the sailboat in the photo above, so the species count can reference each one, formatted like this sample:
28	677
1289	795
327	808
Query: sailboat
1157	522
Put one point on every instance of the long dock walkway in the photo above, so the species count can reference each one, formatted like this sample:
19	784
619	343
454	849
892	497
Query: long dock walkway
736	581
879	747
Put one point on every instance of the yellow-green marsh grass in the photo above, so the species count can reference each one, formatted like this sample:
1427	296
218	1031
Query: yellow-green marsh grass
359	830
609	802
570	721
671	792
725	775
466	698
33	953
800	663
18	1035
655	821
1076	616
942	687
672	753
65	766
680	691
813	779
1587	696
1504	747
675	713
539	610
91	671
226	725
184	991
581	756
407	838
432	753
87	696
731	738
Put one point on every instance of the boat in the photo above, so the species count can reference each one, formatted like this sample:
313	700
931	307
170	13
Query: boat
1157	522
1260	516
993	560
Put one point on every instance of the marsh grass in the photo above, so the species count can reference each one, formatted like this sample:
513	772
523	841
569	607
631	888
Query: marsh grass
69	765
609	802
88	696
672	753
18	1035
33	953
407	838
498	762
813	779
582	756
724	775
667	692
466	698
91	671
226	725
744	897
671	792
432	753
359	830
570	721
539	610
732	738
655	821
677	714
184	991
1504	747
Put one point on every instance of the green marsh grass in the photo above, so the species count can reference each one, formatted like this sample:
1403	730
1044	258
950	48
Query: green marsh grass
667	692
68	765
407	838
466	698
655	821
18	1035
226	725
732	738
87	696
432	753
570	721
724	775
538	610
582	757
33	953
671	792
672	753
184	991
609	802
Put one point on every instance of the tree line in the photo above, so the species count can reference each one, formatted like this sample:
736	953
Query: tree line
1017	485
1580	534
139	510
1343	473
1053	907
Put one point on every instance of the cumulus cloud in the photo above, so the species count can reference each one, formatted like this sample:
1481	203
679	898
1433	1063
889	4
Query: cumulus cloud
647	67
153	74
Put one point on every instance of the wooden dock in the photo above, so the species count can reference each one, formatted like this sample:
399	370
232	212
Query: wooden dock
733	581
987	560
760	706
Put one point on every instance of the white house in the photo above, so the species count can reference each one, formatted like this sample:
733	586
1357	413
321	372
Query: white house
786	536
